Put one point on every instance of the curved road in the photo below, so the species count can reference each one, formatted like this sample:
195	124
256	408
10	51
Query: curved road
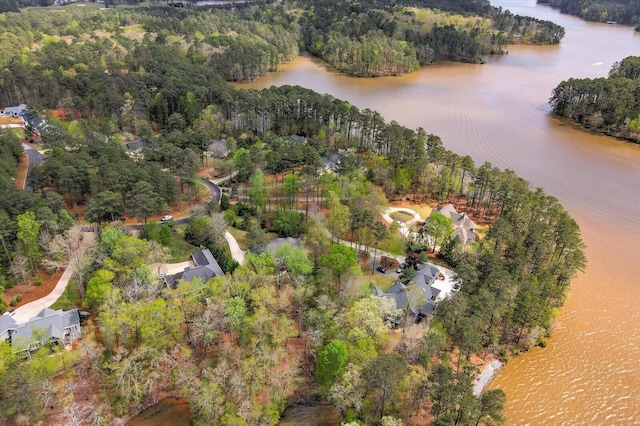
31	309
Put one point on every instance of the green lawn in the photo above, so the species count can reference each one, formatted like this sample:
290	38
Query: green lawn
401	216
70	299
179	249
379	280
424	211
241	236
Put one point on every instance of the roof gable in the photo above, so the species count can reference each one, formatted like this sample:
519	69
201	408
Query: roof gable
206	268
48	324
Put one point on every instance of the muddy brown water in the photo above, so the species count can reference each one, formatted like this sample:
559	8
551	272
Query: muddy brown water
498	112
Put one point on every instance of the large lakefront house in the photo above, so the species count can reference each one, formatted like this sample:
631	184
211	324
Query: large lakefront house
463	227
49	326
432	287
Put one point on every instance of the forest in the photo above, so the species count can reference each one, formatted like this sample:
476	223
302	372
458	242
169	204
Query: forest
244	42
390	38
295	323
617	11
605	105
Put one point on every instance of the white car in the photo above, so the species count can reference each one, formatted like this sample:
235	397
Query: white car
166	218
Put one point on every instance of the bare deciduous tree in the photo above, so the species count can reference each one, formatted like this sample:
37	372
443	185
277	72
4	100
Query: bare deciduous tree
79	249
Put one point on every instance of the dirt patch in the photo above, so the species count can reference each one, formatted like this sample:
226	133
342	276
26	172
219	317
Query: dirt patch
30	292
23	168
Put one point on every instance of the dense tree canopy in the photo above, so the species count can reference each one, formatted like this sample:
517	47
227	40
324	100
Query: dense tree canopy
608	105
236	347
617	11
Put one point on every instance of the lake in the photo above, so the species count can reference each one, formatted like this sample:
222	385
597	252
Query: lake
498	112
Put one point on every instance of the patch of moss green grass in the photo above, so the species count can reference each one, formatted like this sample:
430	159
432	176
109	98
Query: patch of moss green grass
70	299
179	249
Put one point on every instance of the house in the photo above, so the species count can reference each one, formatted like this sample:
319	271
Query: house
14	111
57	326
134	149
135	146
331	160
424	279
219	148
296	138
463	226
205	267
277	243
7	326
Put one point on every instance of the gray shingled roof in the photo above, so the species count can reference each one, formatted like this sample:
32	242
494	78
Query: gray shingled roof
218	148
425	276
206	268
463	226
7	324
51	323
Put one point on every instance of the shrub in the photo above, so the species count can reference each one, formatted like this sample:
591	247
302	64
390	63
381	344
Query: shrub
37	281
224	202
19	298
13	302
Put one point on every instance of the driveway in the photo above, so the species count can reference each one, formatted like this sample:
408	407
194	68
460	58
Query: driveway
31	309
35	158
405	228
236	252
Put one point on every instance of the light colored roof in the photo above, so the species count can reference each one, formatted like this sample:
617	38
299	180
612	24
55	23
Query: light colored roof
7	323
277	243
51	323
218	148
463	226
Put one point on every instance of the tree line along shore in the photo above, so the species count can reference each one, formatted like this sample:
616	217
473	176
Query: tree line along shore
239	345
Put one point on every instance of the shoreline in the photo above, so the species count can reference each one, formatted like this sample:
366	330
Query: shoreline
487	374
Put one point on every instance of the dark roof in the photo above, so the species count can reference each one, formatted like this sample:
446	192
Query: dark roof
426	275
332	159
206	268
424	278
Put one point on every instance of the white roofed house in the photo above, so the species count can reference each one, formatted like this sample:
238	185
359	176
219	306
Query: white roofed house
219	148
14	111
463	226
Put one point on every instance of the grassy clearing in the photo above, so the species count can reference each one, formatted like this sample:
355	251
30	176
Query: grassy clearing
379	280
240	236
70	299
179	249
401	216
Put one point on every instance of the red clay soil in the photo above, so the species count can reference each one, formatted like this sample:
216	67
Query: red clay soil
30	292
22	171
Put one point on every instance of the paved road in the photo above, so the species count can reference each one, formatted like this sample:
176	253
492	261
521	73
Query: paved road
216	193
35	158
